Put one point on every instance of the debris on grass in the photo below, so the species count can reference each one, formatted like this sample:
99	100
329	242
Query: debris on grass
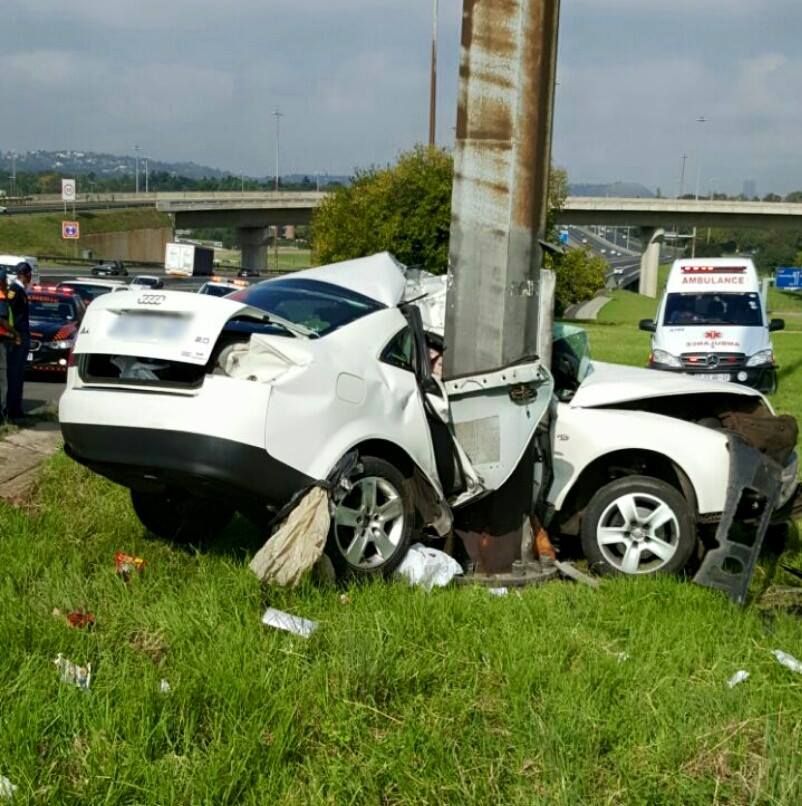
72	673
164	687
570	571
428	568
739	677
345	599
789	661
297	544
151	643
622	657
289	623
498	591
7	789
79	620
127	564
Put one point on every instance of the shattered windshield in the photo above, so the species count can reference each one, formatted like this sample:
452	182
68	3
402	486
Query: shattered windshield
320	307
743	310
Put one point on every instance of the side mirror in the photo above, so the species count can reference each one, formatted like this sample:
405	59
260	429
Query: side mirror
649	325
776	324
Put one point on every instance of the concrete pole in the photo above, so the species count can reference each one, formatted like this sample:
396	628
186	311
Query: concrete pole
650	260
253	242
501	172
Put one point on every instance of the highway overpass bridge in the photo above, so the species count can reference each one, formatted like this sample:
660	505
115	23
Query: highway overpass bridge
252	213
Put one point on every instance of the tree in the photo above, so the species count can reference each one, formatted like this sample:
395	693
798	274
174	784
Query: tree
580	274
404	209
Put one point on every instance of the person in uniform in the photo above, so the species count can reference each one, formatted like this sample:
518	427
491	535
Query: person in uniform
17	351
7	336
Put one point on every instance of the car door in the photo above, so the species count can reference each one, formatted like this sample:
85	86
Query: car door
491	416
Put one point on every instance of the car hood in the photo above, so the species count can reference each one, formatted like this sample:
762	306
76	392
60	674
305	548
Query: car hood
47	330
609	384
380	277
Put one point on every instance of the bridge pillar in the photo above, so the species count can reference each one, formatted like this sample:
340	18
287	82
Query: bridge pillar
253	242
650	259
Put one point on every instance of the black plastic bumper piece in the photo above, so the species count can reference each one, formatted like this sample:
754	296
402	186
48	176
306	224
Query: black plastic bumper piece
152	460
730	565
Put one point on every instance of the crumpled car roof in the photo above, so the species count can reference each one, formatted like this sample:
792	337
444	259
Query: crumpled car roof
380	277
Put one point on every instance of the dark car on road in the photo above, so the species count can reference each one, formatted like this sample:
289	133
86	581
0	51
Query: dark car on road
55	316
110	268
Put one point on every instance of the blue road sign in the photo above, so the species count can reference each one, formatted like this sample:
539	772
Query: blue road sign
788	277
564	236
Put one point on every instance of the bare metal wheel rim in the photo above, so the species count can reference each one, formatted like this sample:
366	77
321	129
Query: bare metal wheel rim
369	522
638	533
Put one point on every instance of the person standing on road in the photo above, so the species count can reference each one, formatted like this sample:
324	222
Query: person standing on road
7	336
17	353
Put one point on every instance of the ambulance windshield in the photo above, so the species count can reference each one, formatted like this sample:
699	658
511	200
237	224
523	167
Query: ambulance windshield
742	310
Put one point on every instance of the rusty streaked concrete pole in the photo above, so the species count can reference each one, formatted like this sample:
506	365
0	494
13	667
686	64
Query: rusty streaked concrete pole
502	156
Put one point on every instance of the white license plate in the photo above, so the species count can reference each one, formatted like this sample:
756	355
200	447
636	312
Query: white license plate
714	376
30	356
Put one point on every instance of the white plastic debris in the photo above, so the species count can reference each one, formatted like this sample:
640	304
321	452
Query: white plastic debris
428	568
286	621
164	687
72	673
7	789
621	657
739	677
498	591
789	661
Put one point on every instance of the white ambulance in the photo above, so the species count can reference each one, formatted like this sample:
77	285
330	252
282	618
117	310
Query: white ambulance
712	323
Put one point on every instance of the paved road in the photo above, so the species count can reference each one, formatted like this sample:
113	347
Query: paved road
40	392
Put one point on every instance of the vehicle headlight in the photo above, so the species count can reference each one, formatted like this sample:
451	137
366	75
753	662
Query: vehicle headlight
761	359
60	345
662	357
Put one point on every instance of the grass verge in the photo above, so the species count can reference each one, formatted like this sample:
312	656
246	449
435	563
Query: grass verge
562	695
40	234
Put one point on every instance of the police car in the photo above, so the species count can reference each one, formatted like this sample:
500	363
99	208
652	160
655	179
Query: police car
55	315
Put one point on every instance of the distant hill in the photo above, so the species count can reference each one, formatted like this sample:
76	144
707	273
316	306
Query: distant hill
620	190
102	165
81	163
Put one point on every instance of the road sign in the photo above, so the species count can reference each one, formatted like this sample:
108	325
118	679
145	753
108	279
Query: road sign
70	230
564	236
788	277
68	190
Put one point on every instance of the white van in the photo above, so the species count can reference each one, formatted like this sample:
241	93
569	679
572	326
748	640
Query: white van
712	323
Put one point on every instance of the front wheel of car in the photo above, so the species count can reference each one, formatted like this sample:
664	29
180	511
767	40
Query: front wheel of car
181	517
372	523
638	525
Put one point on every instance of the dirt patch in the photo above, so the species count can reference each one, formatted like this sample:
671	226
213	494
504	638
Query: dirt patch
22	453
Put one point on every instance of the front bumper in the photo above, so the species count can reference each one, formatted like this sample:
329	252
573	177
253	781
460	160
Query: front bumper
761	378
45	359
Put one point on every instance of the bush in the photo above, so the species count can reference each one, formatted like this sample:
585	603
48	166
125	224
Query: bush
580	274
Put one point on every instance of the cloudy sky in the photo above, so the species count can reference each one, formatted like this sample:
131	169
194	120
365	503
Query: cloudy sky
199	80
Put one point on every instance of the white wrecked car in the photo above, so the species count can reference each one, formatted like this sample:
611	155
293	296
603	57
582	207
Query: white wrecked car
205	406
643	462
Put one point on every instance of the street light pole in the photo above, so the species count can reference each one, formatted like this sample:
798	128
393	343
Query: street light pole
433	84
137	149
700	119
277	115
147	174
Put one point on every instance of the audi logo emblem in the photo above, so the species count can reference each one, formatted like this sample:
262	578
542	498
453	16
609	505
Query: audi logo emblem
712	361
151	299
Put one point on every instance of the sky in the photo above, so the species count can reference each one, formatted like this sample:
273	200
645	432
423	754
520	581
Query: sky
200	79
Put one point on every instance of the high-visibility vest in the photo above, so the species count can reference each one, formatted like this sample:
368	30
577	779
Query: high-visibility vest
5	333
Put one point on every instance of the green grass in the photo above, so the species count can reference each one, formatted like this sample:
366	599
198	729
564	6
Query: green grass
399	697
40	234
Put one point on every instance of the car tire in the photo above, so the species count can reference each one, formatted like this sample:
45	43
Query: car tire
180	517
623	534
372	524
